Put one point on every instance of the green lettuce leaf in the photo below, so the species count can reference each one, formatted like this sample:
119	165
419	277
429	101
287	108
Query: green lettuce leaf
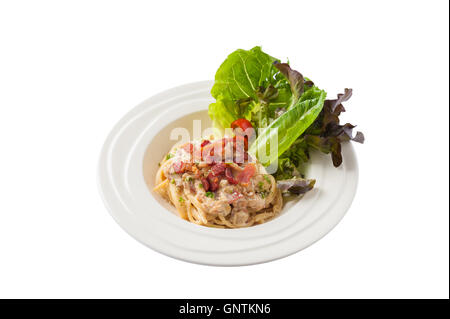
291	163
245	85
223	112
242	73
289	126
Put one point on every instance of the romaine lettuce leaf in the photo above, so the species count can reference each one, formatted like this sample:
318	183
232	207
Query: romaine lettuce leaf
223	112
289	126
291	163
250	86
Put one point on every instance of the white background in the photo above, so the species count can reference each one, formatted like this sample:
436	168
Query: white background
69	70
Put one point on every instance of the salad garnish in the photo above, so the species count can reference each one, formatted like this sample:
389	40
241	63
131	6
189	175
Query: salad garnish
254	89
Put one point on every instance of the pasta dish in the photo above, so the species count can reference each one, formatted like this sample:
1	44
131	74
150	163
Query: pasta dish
268	106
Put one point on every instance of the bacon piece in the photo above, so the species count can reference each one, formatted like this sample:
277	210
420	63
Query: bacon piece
235	167
214	152
188	147
213	182
229	176
244	176
218	168
188	167
198	152
208	154
205	184
209	158
197	155
179	167
240	158
207	149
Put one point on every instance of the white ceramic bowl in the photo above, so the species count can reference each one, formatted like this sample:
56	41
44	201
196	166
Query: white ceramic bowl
128	164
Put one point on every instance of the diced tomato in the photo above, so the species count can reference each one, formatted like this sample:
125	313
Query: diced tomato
205	184
244	176
213	182
243	124
229	176
179	167
218	168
